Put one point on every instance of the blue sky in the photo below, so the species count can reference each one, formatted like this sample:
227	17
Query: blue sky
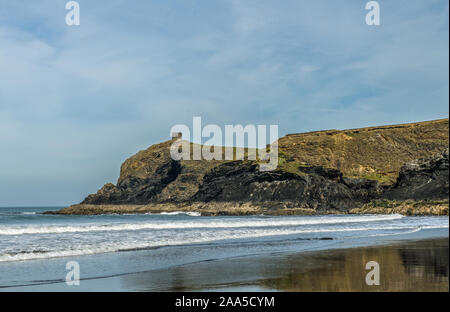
75	102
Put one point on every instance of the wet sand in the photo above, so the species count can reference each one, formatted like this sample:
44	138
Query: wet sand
414	265
404	266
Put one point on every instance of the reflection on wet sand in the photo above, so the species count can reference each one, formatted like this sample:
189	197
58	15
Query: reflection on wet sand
411	266
415	266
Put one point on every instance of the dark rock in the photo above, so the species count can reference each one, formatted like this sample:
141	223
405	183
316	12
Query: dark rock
243	182
135	190
322	188
422	179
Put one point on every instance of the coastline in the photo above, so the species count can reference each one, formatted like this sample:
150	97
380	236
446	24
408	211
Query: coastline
407	208
325	172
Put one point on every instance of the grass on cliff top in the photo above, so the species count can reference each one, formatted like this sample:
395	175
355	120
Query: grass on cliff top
375	153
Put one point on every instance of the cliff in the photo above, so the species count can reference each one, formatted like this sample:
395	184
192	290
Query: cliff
318	172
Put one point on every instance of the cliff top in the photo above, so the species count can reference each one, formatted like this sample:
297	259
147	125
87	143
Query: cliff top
375	153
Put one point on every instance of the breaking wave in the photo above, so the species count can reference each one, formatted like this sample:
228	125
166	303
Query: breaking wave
183	224
128	246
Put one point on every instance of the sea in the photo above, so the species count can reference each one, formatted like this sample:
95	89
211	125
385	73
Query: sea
35	248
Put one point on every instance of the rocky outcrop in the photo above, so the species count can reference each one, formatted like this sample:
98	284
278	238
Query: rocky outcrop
320	189
135	190
319	172
422	179
314	187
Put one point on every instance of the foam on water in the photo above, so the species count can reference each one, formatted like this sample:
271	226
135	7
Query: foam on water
125	246
158	225
189	213
26	234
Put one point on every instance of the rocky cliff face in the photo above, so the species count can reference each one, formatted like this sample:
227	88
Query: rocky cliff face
340	178
422	179
320	189
136	190
152	176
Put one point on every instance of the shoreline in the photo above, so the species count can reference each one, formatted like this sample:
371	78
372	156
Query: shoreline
407	208
419	264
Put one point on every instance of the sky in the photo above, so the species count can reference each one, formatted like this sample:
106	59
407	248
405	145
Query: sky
76	101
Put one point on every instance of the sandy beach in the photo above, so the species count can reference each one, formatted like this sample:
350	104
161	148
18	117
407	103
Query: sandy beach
414	265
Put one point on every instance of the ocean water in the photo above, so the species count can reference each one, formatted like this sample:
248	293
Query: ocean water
34	247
